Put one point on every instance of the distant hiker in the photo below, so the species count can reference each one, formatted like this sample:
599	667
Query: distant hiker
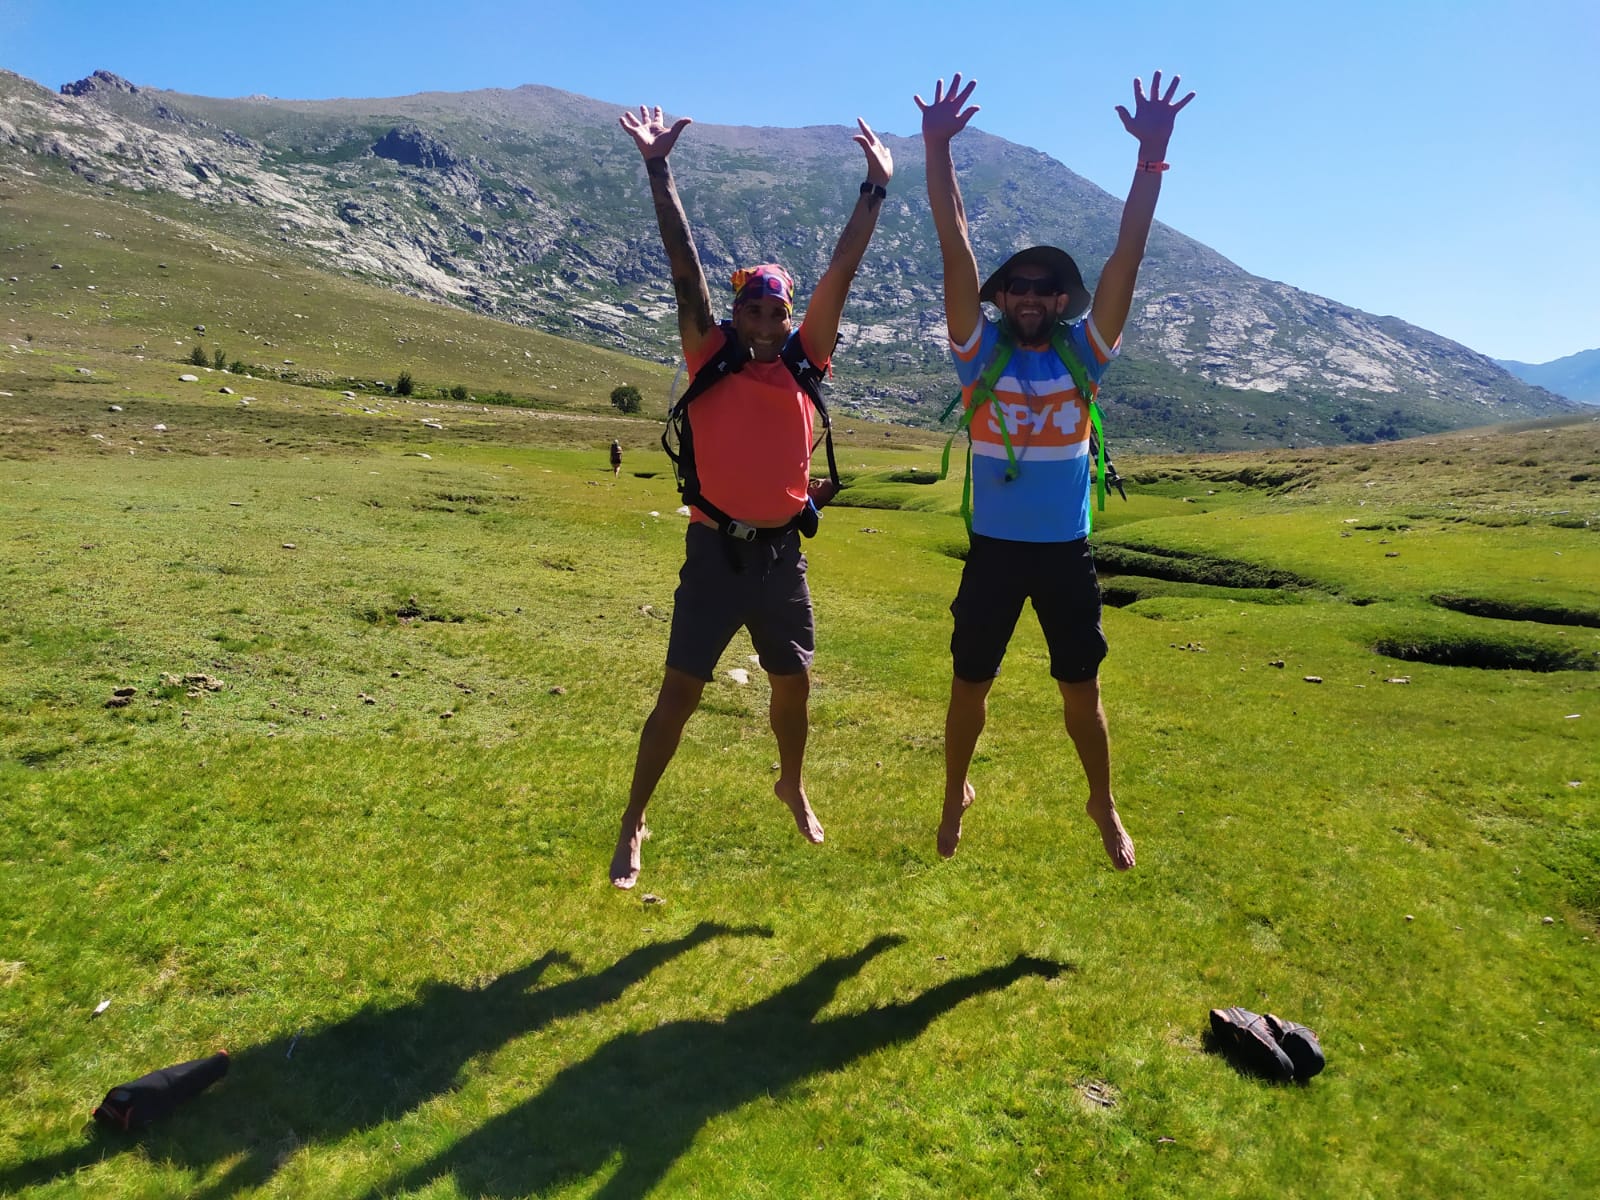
752	436
616	458
1030	473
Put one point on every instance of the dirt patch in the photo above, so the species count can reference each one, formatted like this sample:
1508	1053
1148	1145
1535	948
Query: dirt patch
1507	610
1184	567
1484	652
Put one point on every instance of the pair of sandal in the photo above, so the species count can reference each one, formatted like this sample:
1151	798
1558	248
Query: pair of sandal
1267	1045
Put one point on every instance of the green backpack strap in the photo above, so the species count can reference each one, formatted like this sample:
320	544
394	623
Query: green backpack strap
1087	389
982	393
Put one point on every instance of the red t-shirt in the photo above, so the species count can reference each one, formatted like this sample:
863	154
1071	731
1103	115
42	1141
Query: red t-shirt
752	439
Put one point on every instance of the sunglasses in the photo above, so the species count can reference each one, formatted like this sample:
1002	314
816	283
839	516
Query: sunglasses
1017	286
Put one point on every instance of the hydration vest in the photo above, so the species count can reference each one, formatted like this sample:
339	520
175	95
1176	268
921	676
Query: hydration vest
678	437
983	393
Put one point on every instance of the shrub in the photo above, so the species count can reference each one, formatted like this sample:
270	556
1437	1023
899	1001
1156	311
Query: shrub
219	360
459	392
237	367
197	357
626	399
404	385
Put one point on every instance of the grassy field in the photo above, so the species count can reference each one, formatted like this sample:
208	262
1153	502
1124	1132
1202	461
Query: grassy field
388	662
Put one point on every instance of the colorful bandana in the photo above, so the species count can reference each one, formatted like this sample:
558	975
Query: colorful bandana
769	279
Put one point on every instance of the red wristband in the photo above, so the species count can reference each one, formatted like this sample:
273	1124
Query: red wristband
1155	168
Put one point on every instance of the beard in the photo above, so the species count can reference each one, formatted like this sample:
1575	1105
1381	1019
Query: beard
1031	328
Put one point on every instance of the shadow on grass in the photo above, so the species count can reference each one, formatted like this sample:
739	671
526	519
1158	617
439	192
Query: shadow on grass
372	1068
642	1098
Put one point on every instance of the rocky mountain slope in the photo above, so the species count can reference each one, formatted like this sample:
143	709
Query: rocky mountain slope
530	204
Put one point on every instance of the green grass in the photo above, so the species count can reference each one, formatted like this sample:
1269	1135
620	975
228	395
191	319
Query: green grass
398	921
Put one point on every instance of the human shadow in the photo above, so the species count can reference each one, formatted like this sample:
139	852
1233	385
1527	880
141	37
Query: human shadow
643	1097
361	1072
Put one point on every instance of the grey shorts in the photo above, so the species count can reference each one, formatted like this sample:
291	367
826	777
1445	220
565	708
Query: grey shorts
999	575
725	584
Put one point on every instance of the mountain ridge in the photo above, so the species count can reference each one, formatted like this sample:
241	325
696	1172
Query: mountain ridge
1575	376
530	205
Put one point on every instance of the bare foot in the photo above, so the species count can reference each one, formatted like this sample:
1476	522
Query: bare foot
1117	842
795	799
950	822
625	862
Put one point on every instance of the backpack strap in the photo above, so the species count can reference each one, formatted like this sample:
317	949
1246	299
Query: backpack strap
982	393
809	377
1088	389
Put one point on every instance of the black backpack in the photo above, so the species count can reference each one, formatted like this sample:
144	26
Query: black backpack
678	437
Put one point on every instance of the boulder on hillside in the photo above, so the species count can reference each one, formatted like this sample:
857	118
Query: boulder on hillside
410	146
100	81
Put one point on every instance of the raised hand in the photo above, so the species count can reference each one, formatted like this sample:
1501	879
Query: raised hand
1151	119
944	118
650	132
880	163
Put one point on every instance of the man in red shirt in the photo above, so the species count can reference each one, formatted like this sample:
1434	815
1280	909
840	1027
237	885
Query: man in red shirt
752	435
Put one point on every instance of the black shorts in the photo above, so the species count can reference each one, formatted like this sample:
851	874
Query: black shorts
727	583
999	575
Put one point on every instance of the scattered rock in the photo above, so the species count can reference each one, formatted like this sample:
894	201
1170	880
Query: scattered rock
1277	662
558	690
1409	917
652	898
1398	679
226	391
114	408
446	715
1549	920
1101	1094
1391	554
199	328
1313	678
739	675
188	379
85	371
159	428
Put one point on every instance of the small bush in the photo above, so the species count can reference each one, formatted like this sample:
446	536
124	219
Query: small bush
459	392
626	399
219	360
404	385
198	358
237	367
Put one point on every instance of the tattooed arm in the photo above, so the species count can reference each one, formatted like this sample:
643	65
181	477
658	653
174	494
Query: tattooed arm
655	140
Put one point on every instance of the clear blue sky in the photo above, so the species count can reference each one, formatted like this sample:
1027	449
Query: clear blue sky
1436	160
